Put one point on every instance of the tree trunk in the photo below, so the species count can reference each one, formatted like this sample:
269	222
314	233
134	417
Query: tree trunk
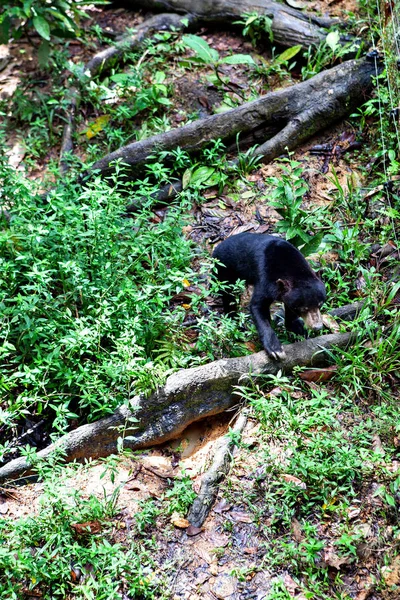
298	112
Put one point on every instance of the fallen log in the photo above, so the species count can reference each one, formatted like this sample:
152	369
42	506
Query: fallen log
204	500
298	112
289	26
187	396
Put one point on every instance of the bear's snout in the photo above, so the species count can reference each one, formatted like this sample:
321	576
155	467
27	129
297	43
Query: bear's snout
313	319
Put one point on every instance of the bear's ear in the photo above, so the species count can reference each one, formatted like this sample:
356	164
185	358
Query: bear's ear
284	285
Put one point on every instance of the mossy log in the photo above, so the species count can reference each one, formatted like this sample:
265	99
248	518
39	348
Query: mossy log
187	396
295	113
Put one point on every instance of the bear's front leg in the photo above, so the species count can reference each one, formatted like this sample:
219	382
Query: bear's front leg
259	308
294	324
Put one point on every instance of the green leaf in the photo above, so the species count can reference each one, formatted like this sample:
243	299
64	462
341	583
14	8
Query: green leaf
288	54
164	101
201	174
238	59
27	8
202	49
332	40
5	25
186	178
313	245
121	78
42	27
44	53
390	500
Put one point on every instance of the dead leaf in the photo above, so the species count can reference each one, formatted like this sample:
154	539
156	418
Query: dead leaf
364	594
242	228
179	522
224	585
290	584
331	559
97	126
5	56
317	375
203	100
16	154
241	516
251	550
8	86
330	323
214	569
377	444
297	531
368	587
353	512
251	346
386	250
133	486
296	4
222	506
218	540
204	555
192	530
294	480
391	573
88	528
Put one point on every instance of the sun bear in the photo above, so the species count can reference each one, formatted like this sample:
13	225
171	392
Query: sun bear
278	272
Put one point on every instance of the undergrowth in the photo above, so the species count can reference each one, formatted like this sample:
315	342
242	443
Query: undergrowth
86	298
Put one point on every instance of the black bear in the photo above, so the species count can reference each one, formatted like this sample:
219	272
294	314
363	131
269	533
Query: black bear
278	272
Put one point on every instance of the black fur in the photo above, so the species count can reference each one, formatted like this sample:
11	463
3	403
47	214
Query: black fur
278	272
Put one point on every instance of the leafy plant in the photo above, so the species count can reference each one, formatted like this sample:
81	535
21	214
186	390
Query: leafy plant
287	196
50	19
68	548
84	297
209	56
181	496
328	51
279	64
256	26
146	516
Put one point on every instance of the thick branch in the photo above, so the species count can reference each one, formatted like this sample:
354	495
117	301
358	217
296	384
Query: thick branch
299	111
186	397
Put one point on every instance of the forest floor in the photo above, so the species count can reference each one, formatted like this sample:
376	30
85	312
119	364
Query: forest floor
310	508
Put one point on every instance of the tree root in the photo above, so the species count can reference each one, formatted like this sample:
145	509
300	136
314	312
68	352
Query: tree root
212	478
162	22
298	112
187	396
289	26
